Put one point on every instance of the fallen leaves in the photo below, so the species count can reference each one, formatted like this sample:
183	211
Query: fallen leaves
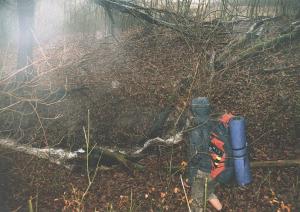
183	165
123	201
163	194
281	206
176	190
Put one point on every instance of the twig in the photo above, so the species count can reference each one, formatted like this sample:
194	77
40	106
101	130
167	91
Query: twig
87	141
41	124
186	198
19	70
40	47
205	194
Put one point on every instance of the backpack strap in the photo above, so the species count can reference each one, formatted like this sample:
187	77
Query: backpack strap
225	118
217	154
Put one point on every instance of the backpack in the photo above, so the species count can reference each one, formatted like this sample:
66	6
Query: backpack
222	167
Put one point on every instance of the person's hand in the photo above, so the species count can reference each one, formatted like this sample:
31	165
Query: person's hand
215	202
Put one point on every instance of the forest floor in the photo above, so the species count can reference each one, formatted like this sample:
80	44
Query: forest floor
125	84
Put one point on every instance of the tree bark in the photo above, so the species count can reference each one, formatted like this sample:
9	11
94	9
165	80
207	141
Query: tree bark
298	14
25	9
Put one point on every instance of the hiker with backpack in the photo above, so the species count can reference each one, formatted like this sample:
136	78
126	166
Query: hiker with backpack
210	154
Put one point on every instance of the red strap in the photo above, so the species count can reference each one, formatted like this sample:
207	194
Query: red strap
226	118
217	168
218	143
217	162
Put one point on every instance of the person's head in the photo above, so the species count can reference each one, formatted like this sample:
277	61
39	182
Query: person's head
200	109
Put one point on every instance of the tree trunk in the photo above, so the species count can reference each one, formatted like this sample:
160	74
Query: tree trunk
298	14
25	9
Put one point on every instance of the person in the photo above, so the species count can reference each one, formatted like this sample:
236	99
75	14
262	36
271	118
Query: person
208	160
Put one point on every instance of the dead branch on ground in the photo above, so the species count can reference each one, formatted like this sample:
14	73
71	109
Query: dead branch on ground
107	156
275	163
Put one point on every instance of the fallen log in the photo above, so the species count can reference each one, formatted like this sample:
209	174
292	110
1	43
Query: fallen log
249	37
275	163
274	44
139	12
177	22
290	36
70	159
113	157
97	156
107	157
57	156
253	164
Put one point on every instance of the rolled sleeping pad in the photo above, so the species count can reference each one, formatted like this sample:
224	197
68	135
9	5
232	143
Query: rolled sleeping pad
239	150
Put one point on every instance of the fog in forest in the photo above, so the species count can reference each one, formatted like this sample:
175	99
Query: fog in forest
149	105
